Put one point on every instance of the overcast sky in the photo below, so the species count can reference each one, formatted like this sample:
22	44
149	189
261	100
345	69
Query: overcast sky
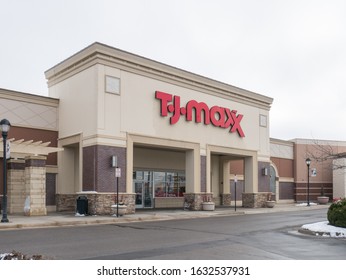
293	51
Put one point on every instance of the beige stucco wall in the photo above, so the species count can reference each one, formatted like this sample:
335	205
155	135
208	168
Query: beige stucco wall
140	114
106	118
149	159
28	110
102	118
281	149
78	103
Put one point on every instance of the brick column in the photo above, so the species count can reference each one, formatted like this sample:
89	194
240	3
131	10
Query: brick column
15	185
35	185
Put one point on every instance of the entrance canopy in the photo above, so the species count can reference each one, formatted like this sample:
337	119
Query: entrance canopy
21	148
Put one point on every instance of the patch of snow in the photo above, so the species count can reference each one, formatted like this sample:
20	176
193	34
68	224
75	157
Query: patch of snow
326	230
3	256
305	204
79	215
14	255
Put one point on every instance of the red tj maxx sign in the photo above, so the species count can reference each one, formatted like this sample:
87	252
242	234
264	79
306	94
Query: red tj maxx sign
218	116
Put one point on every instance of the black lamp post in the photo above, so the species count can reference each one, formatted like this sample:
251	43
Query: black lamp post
5	127
308	162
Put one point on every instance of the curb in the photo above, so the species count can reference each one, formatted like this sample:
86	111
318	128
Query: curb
63	220
93	220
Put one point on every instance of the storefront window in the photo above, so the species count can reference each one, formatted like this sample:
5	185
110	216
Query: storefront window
181	183
148	176
169	184
158	184
138	175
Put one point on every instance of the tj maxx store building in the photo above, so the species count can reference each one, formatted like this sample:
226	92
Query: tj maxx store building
177	137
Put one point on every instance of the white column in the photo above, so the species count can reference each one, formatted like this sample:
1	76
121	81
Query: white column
129	165
226	177
251	174
193	171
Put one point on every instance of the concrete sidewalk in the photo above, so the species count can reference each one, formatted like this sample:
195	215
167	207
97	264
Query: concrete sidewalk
55	219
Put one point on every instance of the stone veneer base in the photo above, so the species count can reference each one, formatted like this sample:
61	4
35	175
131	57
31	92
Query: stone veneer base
98	203
226	199
193	201
255	200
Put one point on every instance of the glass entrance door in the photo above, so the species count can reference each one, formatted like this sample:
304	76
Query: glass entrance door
148	195
143	188
139	194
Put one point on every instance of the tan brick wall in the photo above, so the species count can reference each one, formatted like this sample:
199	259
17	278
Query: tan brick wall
27	179
16	191
35	187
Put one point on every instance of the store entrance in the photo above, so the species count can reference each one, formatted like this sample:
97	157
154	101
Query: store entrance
144	198
143	189
159	189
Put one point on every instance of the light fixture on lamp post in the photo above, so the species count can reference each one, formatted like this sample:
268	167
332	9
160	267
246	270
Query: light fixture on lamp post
5	127
308	162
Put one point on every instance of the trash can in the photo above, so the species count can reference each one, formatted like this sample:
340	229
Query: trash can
82	205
